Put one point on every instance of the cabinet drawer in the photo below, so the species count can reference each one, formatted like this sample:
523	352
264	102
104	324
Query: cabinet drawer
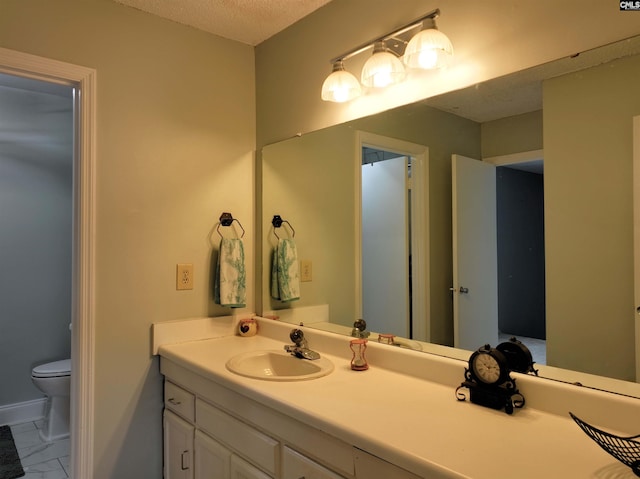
241	469
296	466
179	401
248	442
372	467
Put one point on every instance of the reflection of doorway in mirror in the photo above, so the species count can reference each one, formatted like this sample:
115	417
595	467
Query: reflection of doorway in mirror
414	320
386	254
521	250
521	257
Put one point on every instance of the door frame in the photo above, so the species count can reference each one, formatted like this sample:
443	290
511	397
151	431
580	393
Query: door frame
419	224
515	158
83	256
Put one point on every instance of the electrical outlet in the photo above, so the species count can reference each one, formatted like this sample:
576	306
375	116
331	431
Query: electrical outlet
184	276
305	270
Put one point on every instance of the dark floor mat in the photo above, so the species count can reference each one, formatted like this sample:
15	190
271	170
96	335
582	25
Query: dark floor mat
10	466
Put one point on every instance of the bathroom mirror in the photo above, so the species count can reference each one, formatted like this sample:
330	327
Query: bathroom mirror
313	182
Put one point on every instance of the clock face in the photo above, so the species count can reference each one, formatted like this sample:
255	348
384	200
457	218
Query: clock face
486	368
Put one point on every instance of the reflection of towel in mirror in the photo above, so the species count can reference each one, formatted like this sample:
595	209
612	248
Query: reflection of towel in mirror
285	275
230	286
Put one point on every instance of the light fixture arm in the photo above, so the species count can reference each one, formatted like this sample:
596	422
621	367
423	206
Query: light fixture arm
398	31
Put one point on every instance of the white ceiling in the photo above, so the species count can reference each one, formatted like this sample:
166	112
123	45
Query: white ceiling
246	21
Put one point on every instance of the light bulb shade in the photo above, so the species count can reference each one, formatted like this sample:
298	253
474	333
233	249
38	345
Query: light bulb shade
428	49
340	86
382	69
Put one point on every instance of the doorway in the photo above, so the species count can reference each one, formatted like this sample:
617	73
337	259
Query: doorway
83	80
411	219
36	191
521	257
386	242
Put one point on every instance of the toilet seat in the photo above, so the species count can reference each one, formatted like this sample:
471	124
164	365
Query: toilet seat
52	370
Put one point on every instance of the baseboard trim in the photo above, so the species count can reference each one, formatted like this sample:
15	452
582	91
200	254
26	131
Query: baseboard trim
22	412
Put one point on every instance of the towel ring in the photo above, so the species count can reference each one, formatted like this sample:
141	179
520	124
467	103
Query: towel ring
226	219
277	223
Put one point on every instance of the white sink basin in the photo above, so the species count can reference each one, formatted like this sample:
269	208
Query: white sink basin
278	366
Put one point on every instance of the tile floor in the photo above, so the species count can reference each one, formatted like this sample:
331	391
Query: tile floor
40	459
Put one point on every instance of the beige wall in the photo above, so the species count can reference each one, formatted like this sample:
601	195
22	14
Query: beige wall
490	38
589	217
175	147
176	141
514	134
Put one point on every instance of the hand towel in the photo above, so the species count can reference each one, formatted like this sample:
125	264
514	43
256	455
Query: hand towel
285	272
230	285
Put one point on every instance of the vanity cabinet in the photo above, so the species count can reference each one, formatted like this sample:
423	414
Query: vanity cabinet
212	432
297	466
372	467
191	453
212	459
203	441
243	470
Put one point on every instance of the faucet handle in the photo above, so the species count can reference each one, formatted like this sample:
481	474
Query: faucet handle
360	329
360	324
297	336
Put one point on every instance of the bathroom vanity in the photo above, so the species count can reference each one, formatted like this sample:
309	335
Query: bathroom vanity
400	419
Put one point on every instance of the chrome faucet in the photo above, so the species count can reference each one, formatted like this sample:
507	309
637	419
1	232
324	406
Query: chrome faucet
300	347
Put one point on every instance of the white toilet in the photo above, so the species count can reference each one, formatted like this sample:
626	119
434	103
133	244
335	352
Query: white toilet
54	380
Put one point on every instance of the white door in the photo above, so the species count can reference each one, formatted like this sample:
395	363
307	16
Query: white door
636	234
385	247
475	257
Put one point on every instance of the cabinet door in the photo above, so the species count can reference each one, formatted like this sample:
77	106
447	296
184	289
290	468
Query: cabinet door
297	466
241	469
178	447
212	459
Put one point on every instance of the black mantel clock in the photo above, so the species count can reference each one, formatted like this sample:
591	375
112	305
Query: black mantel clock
488	381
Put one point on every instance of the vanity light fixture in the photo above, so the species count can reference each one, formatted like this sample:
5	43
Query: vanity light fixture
429	48
419	43
383	68
341	85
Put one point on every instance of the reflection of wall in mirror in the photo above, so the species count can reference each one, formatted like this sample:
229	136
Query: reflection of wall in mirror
313	177
588	179
309	182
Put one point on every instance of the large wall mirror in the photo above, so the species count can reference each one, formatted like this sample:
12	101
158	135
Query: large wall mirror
563	130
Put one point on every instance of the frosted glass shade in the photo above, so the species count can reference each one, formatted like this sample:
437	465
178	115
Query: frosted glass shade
428	49
382	69
340	86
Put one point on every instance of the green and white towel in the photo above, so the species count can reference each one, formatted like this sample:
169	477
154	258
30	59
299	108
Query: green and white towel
230	285
285	272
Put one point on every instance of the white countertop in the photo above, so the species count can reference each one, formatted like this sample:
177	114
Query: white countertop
414	423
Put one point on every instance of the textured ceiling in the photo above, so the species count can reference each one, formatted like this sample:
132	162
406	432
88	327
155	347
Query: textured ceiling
246	21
